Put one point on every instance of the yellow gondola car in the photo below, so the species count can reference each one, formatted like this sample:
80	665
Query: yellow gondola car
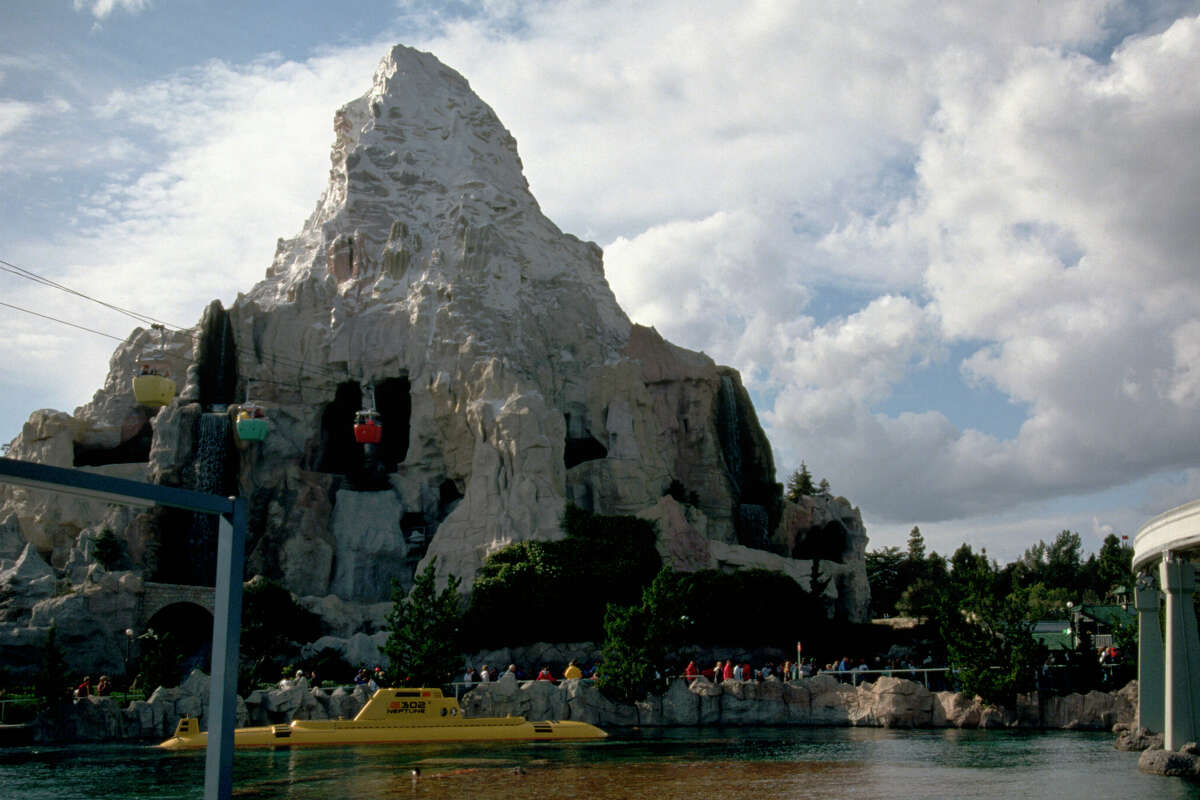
393	716
152	389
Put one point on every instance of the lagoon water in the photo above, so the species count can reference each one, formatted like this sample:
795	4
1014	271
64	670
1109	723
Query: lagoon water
759	763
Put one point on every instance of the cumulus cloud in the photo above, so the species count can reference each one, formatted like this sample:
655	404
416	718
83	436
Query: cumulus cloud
1014	182
244	158
1017	180
1057	204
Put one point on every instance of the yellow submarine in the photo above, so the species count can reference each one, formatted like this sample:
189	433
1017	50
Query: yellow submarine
393	716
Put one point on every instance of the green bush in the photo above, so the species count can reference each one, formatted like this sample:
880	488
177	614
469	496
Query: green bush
750	608
551	591
273	626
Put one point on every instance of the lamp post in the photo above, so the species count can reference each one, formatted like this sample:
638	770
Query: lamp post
1071	625
128	649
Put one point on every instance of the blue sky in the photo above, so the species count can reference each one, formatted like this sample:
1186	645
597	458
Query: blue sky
951	247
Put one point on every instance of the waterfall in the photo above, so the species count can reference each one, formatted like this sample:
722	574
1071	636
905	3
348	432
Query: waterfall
210	473
212	453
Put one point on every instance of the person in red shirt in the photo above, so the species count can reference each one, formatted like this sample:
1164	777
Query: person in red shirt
545	675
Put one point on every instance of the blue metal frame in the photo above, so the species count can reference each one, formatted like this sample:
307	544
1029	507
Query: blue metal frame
227	616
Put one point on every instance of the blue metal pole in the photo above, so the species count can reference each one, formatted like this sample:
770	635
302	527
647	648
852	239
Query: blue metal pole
227	620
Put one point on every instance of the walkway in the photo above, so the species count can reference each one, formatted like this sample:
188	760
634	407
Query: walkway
1168	665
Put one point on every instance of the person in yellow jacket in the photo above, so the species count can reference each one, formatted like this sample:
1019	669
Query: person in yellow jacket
572	671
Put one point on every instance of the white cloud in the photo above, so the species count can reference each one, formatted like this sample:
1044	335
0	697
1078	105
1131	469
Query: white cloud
14	114
246	156
1056	201
991	178
101	9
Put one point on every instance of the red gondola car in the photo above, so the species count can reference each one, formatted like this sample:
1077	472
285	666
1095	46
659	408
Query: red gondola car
368	427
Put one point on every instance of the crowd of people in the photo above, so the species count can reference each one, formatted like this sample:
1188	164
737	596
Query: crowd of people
486	674
787	671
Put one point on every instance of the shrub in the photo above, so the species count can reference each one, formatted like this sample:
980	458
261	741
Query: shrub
547	591
107	549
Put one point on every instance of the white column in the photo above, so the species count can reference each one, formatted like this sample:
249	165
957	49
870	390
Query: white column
1181	717
1146	600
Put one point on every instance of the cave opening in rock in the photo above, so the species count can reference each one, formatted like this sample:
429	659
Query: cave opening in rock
827	543
179	634
338	452
393	399
448	497
580	445
366	466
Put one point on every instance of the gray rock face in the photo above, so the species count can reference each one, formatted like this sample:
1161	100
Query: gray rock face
428	283
369	548
23	585
819	701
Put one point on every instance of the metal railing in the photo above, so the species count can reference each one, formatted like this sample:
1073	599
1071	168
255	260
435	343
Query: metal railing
26	706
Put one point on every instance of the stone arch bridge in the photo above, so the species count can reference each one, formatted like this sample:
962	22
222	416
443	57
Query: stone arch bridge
157	596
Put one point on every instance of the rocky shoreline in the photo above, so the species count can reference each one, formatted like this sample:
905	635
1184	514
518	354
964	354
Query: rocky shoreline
819	701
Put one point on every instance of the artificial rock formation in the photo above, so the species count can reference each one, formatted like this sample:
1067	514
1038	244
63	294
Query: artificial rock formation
821	701
429	283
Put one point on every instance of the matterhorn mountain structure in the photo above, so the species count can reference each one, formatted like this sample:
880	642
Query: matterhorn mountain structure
427	285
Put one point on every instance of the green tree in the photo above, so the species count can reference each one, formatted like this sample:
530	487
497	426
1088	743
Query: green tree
1063	560
988	636
640	641
967	568
1047	601
423	631
887	578
919	599
924	581
1114	565
916	546
799	484
668	604
627	657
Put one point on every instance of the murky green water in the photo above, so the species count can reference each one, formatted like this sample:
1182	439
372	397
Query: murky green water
723	763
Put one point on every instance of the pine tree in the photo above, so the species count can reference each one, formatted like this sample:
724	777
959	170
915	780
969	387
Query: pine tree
800	484
916	545
423	631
